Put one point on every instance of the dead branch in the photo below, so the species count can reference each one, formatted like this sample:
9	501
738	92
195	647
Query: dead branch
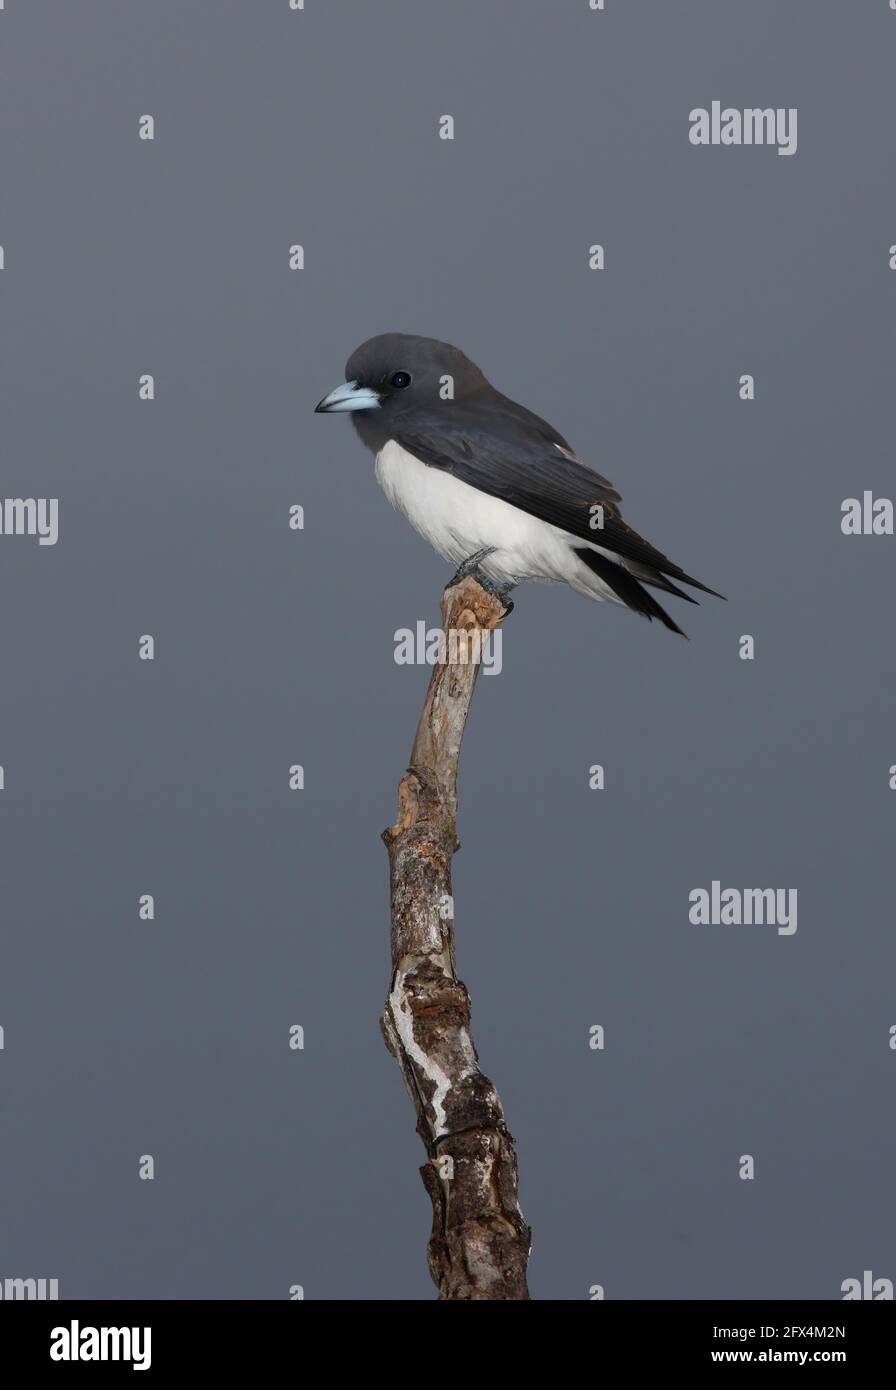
479	1247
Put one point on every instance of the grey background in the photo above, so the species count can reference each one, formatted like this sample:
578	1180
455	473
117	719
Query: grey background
123	777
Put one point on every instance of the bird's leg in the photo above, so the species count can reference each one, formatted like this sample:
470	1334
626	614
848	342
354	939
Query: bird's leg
470	567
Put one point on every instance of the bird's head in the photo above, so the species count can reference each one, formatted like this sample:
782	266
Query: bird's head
397	372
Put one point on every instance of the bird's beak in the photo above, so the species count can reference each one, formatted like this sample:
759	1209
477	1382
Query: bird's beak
349	396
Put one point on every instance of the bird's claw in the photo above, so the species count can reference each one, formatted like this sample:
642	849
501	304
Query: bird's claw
470	566
470	570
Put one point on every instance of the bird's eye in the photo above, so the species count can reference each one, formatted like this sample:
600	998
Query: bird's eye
401	379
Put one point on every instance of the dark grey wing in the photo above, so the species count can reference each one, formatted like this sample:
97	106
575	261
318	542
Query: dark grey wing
511	454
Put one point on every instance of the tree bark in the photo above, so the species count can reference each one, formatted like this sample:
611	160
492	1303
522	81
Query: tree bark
479	1247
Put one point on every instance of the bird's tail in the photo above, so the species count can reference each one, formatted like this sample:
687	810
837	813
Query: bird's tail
627	589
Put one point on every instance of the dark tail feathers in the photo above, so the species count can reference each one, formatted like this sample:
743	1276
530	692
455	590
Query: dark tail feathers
626	587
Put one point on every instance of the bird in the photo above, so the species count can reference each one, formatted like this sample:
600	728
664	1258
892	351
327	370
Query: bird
496	491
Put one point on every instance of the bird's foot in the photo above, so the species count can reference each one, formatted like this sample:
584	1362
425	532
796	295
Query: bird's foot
470	569
470	566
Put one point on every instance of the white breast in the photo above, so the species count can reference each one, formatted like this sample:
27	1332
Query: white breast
458	520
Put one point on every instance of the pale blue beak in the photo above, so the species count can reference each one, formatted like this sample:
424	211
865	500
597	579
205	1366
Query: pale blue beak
349	396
